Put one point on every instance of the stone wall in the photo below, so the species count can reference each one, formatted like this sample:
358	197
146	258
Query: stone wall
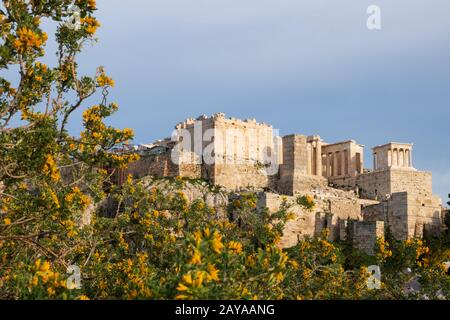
424	216
294	171
303	225
366	233
154	165
346	208
375	212
328	213
162	166
374	185
379	184
408	215
243	175
242	153
415	182
397	215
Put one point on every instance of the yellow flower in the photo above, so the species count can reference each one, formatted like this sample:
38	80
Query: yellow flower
235	247
96	135
198	237
293	263
279	276
250	261
291	216
196	258
7	221
83	297
45	266
50	168
187	278
213	273
50	292
127	132
35	281
122	242
216	242
199	275
28	39
91	24
55	199
91	4
182	287
103	81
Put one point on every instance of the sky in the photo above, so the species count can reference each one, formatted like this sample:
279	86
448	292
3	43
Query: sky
303	66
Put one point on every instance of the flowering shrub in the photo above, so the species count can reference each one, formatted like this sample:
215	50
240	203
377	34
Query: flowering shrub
306	201
49	179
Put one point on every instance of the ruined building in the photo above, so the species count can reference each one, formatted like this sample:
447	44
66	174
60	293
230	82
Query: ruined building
351	201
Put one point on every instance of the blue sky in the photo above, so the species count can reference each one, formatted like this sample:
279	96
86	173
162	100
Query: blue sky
309	67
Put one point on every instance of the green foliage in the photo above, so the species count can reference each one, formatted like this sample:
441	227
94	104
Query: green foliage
306	201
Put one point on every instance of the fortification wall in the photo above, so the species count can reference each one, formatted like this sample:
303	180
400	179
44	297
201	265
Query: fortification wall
375	212
424	216
304	222
397	211
153	165
415	182
162	166
243	175
366	233
378	184
374	185
408	215
328	213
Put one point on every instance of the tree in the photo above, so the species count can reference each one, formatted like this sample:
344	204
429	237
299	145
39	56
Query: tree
49	178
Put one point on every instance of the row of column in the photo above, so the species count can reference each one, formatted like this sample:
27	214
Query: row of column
400	157
396	157
336	163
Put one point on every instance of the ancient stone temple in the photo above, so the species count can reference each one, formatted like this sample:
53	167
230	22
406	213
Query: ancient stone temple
351	201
